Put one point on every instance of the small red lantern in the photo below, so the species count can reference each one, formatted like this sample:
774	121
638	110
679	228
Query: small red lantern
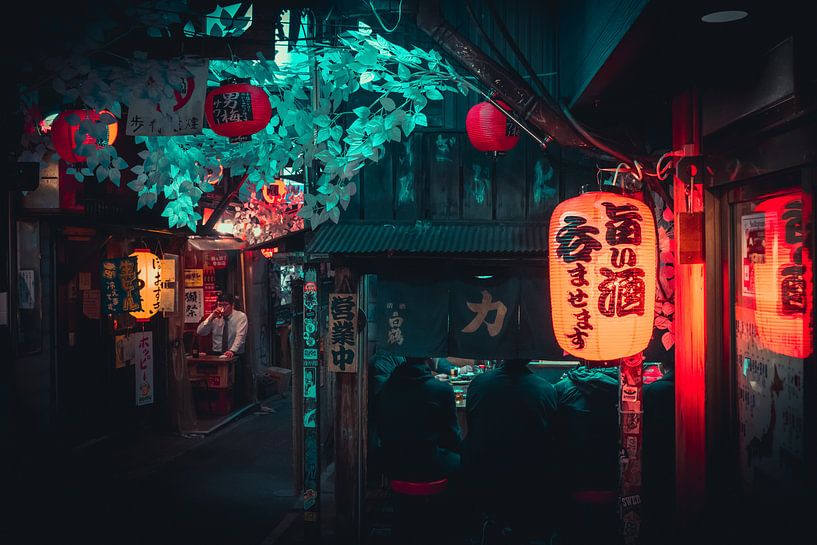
237	110
488	128
63	135
784	287
602	275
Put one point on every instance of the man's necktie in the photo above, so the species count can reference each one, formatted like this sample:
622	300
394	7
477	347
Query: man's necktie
224	345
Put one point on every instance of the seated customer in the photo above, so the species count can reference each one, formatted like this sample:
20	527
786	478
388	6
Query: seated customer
588	424
509	453
417	422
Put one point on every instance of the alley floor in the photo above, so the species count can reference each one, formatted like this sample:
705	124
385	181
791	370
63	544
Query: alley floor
233	486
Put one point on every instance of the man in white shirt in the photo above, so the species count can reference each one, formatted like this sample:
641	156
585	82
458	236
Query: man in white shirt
225	322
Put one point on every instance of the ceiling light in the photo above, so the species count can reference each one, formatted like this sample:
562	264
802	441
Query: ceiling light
727	16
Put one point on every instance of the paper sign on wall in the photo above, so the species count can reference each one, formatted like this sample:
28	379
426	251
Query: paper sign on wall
194	278
167	296
84	281
124	350
342	354
91	304
193	305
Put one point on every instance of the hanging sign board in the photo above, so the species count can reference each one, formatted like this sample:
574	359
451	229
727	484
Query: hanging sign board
181	114
120	289
143	354
167	295
342	354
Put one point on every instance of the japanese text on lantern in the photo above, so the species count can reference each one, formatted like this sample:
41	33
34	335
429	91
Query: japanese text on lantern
793	283
575	243
232	107
343	332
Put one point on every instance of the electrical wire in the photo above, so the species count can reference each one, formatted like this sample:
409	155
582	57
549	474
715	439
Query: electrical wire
379	20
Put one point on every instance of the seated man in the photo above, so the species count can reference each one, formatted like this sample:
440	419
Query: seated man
417	422
509	453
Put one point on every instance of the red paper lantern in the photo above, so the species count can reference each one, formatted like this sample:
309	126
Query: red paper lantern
602	260
237	110
63	135
784	287
488	128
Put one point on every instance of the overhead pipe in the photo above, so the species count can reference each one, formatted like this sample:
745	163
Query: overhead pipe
541	112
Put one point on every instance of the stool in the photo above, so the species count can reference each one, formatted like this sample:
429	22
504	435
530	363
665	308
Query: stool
414	517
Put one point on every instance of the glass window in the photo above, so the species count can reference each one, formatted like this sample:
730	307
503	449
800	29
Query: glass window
773	335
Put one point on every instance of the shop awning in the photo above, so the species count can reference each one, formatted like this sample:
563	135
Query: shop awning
425	237
215	243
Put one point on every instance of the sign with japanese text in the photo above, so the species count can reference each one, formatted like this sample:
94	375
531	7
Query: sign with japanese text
143	366
194	278
484	316
412	316
193	305
602	259
84	281
186	115
217	259
120	289
167	297
342	356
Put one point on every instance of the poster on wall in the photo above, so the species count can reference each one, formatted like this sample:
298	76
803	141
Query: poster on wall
342	353
752	249
770	410
143	365
193	305
194	278
124	351
25	291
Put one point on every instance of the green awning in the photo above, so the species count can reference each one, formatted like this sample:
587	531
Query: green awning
426	237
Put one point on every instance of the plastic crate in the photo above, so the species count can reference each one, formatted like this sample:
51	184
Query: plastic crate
218	401
218	375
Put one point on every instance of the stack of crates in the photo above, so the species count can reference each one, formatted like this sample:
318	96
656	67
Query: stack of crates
213	391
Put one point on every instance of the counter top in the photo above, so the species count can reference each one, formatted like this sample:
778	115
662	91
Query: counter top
204	358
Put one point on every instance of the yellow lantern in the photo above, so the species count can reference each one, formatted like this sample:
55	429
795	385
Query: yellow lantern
602	261
149	275
783	278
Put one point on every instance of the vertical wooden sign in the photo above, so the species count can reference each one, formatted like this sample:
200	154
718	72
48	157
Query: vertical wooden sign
311	416
342	356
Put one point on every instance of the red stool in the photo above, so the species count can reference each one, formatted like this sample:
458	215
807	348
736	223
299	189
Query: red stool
414	517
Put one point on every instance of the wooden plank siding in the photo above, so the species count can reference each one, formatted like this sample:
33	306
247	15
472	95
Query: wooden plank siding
438	175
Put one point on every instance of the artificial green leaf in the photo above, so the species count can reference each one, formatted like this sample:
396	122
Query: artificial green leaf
388	104
362	112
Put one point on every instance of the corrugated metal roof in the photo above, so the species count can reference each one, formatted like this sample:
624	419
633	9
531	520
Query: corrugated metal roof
424	237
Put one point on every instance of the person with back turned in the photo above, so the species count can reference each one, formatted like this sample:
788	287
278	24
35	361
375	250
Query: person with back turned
509	453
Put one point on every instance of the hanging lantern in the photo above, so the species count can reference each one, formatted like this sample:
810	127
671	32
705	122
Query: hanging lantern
275	193
601	254
149	275
237	110
214	174
488	128
784	287
63	135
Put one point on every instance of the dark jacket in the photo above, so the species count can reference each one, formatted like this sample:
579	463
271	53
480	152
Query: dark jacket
510	447
659	441
416	417
588	421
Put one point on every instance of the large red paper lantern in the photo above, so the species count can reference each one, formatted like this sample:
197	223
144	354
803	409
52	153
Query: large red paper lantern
784	287
601	253
488	128
237	110
63	135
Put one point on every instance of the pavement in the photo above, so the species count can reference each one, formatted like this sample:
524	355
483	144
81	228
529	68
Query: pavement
230	487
